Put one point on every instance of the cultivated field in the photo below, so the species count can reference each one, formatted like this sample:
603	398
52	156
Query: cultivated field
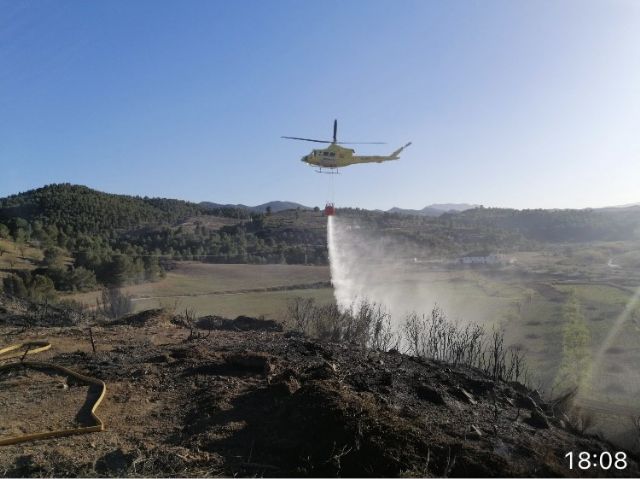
229	289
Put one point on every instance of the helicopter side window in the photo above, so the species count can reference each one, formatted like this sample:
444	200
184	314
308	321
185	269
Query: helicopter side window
332	153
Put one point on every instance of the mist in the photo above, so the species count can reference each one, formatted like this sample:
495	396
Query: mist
367	264
574	334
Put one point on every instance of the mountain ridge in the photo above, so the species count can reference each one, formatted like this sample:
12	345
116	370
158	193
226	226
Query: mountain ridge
275	206
162	203
435	209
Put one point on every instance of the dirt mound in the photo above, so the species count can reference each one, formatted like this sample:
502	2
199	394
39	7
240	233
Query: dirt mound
258	402
341	411
241	323
143	318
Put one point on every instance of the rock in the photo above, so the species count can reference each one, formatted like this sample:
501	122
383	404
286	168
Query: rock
428	393
538	420
525	402
480	387
326	370
285	387
463	395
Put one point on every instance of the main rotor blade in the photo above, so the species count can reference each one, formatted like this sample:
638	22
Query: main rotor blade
361	142
304	139
335	130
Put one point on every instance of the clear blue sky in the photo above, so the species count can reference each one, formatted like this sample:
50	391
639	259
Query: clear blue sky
508	103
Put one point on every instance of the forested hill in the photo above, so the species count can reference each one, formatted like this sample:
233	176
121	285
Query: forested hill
88	237
80	210
610	224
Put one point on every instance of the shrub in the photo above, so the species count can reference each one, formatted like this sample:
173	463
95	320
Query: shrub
115	303
366	324
24	284
431	336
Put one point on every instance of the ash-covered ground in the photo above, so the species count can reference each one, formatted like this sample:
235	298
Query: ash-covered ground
248	399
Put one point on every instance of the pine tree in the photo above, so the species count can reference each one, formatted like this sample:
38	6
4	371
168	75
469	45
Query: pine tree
574	371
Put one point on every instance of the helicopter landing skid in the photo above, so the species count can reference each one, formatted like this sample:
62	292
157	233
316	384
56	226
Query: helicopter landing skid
330	172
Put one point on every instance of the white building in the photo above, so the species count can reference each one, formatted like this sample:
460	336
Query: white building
482	258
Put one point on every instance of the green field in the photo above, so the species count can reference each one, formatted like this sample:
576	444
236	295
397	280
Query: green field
228	289
271	305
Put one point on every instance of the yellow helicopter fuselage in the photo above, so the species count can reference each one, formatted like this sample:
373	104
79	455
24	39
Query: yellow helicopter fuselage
336	156
333	156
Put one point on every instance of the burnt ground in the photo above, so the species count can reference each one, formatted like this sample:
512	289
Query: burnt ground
255	401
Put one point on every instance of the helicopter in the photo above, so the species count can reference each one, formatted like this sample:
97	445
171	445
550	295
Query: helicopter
335	156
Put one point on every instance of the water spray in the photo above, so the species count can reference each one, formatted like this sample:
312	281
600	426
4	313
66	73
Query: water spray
342	284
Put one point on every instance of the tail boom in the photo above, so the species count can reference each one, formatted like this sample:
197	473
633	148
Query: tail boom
396	154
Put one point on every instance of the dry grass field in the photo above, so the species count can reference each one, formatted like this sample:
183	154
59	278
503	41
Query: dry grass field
12	257
228	289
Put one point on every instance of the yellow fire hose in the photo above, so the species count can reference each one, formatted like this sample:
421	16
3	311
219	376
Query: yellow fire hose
34	347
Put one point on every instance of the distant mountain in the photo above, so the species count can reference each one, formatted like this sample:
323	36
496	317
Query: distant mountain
275	206
619	207
556	225
279	206
423	212
435	209
448	207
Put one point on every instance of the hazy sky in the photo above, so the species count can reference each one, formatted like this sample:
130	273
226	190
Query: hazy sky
508	103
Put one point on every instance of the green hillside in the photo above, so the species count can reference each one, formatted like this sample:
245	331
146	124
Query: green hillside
119	239
77	209
86	238
614	224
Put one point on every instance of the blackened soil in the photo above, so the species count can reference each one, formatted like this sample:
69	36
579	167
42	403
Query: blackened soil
249	400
